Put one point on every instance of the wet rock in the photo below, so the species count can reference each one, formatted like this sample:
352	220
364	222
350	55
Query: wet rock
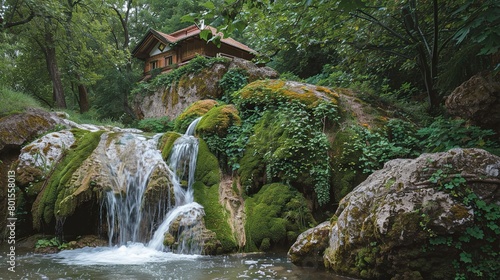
383	226
310	245
477	100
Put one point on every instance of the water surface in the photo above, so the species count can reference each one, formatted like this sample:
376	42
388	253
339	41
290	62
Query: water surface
136	261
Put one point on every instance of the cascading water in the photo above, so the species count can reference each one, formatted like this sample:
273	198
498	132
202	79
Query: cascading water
131	163
131	159
186	212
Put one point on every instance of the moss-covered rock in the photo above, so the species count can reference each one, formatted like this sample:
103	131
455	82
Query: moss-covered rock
56	199
309	247
206	193
167	142
278	213
218	120
418	214
216	218
40	156
171	93
17	129
207	166
194	111
273	91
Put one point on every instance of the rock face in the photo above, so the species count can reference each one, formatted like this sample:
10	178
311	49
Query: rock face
16	129
310	245
407	220
171	101
478	100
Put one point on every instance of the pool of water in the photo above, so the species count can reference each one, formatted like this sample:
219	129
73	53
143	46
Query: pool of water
135	261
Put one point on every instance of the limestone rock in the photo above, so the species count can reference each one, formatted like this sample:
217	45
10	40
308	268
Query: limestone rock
39	157
310	245
254	72
173	99
383	224
17	129
477	100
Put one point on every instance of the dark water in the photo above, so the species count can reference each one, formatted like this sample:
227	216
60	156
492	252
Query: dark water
138	262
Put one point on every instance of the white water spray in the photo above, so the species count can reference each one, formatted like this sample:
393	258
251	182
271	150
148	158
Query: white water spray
132	159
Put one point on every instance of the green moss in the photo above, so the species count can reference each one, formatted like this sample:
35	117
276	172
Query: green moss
57	190
207	166
216	216
194	111
167	142
218	120
274	212
273	91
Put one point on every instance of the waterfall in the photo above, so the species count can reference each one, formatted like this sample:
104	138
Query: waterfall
186	213
132	159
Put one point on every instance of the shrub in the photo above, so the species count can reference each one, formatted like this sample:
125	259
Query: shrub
155	124
232	81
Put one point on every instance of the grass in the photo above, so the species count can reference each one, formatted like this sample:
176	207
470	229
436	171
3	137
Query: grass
15	102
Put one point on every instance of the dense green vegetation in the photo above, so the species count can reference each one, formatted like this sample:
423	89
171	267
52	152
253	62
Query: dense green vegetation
405	47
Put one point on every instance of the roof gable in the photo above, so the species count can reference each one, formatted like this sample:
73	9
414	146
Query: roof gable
152	36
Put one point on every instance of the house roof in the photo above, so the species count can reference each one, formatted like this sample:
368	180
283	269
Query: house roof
179	35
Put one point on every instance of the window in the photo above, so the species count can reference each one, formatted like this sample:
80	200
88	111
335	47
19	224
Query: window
153	64
161	47
168	60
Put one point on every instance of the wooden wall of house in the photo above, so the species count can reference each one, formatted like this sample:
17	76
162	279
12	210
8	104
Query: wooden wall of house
190	48
161	60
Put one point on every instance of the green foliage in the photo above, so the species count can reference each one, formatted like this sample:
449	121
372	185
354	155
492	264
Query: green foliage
92	117
15	102
480	26
165	80
289	146
229	149
158	125
53	242
397	140
273	214
401	139
444	134
478	246
232	81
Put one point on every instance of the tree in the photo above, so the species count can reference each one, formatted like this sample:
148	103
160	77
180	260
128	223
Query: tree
370	37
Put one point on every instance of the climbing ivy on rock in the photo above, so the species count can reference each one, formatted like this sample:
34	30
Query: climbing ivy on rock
288	146
478	245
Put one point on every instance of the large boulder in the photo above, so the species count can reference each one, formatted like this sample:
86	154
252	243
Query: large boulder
477	100
310	245
433	217
172	99
17	129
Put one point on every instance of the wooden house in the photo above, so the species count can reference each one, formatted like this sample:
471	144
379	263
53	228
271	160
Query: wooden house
165	51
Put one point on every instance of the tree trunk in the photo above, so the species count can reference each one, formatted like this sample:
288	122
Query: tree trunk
83	99
55	76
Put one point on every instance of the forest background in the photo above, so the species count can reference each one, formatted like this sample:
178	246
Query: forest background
405	55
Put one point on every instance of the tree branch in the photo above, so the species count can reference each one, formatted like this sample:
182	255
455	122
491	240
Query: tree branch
374	20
